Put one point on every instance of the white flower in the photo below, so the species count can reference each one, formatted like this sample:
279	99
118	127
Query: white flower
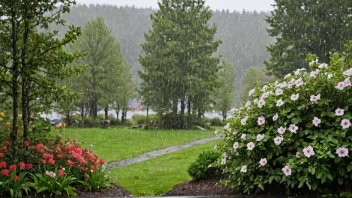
347	82
234	133
298	71
250	146
264	87
330	76
263	161
314	98
309	151
281	130
299	82
289	85
279	102
235	145
243	136
293	128
323	65
227	126
264	95
251	92
279	91
342	152
339	112
248	104
283	85
294	97
287	75
261	103
278	140
298	154
244	169
224	155
314	74
261	120
348	72
223	161
244	120
316	121
216	133
345	123
275	117
260	137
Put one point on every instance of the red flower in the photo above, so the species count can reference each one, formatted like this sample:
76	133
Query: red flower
60	156
57	149
39	147
4	148
70	163
22	165
6	143
68	139
51	161
26	143
81	168
60	142
12	167
2	164
61	173
5	172
93	168
48	156
16	178
86	175
29	166
101	162
44	161
1	155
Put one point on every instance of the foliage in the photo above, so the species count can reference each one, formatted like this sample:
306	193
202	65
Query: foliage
251	76
306	26
178	65
97	180
202	168
12	183
216	122
295	133
224	98
90	122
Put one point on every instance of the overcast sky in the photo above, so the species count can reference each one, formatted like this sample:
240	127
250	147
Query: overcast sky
239	5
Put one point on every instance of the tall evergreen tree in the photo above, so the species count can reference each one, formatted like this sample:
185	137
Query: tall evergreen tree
178	64
306	26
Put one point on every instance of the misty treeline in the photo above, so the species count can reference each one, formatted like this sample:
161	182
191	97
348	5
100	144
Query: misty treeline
243	34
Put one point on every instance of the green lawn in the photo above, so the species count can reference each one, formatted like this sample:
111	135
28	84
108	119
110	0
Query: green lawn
120	143
157	176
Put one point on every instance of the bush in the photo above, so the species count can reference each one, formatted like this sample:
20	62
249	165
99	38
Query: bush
90	122
216	122
202	168
295	133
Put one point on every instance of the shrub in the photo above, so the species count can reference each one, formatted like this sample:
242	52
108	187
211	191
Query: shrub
90	122
216	122
295	133
202	168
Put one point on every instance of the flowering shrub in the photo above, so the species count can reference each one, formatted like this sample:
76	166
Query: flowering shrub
51	168
296	132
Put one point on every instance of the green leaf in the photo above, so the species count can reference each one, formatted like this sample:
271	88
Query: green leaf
349	167
309	186
301	183
271	179
341	171
329	176
340	181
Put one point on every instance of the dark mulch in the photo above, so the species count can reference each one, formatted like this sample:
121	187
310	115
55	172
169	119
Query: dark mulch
209	187
114	191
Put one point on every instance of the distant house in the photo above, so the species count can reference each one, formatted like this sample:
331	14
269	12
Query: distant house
135	105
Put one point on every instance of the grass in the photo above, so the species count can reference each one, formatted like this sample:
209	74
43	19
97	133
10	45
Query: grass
157	176
120	143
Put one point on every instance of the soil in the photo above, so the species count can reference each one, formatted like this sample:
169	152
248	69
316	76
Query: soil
114	191
209	187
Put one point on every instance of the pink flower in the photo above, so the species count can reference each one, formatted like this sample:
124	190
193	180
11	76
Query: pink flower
243	136
244	120
281	130
251	92
314	98
250	146
260	137
279	102
299	82
227	127
340	85
339	112
235	145
314	74
244	169
261	120
348	72
262	161
216	133
293	128
323	65
342	152
316	121
286	170
347	82
345	123
309	151
294	97
279	91
278	140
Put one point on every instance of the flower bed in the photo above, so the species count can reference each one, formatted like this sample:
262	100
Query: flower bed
296	133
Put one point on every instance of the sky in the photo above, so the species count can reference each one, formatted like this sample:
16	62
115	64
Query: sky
238	5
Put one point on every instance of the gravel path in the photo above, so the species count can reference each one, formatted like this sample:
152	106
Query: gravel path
157	153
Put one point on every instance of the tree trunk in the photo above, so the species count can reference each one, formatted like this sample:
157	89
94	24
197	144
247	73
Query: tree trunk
117	113
199	113
122	116
224	115
147	113
106	110
174	106
25	116
182	114
68	118
189	107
